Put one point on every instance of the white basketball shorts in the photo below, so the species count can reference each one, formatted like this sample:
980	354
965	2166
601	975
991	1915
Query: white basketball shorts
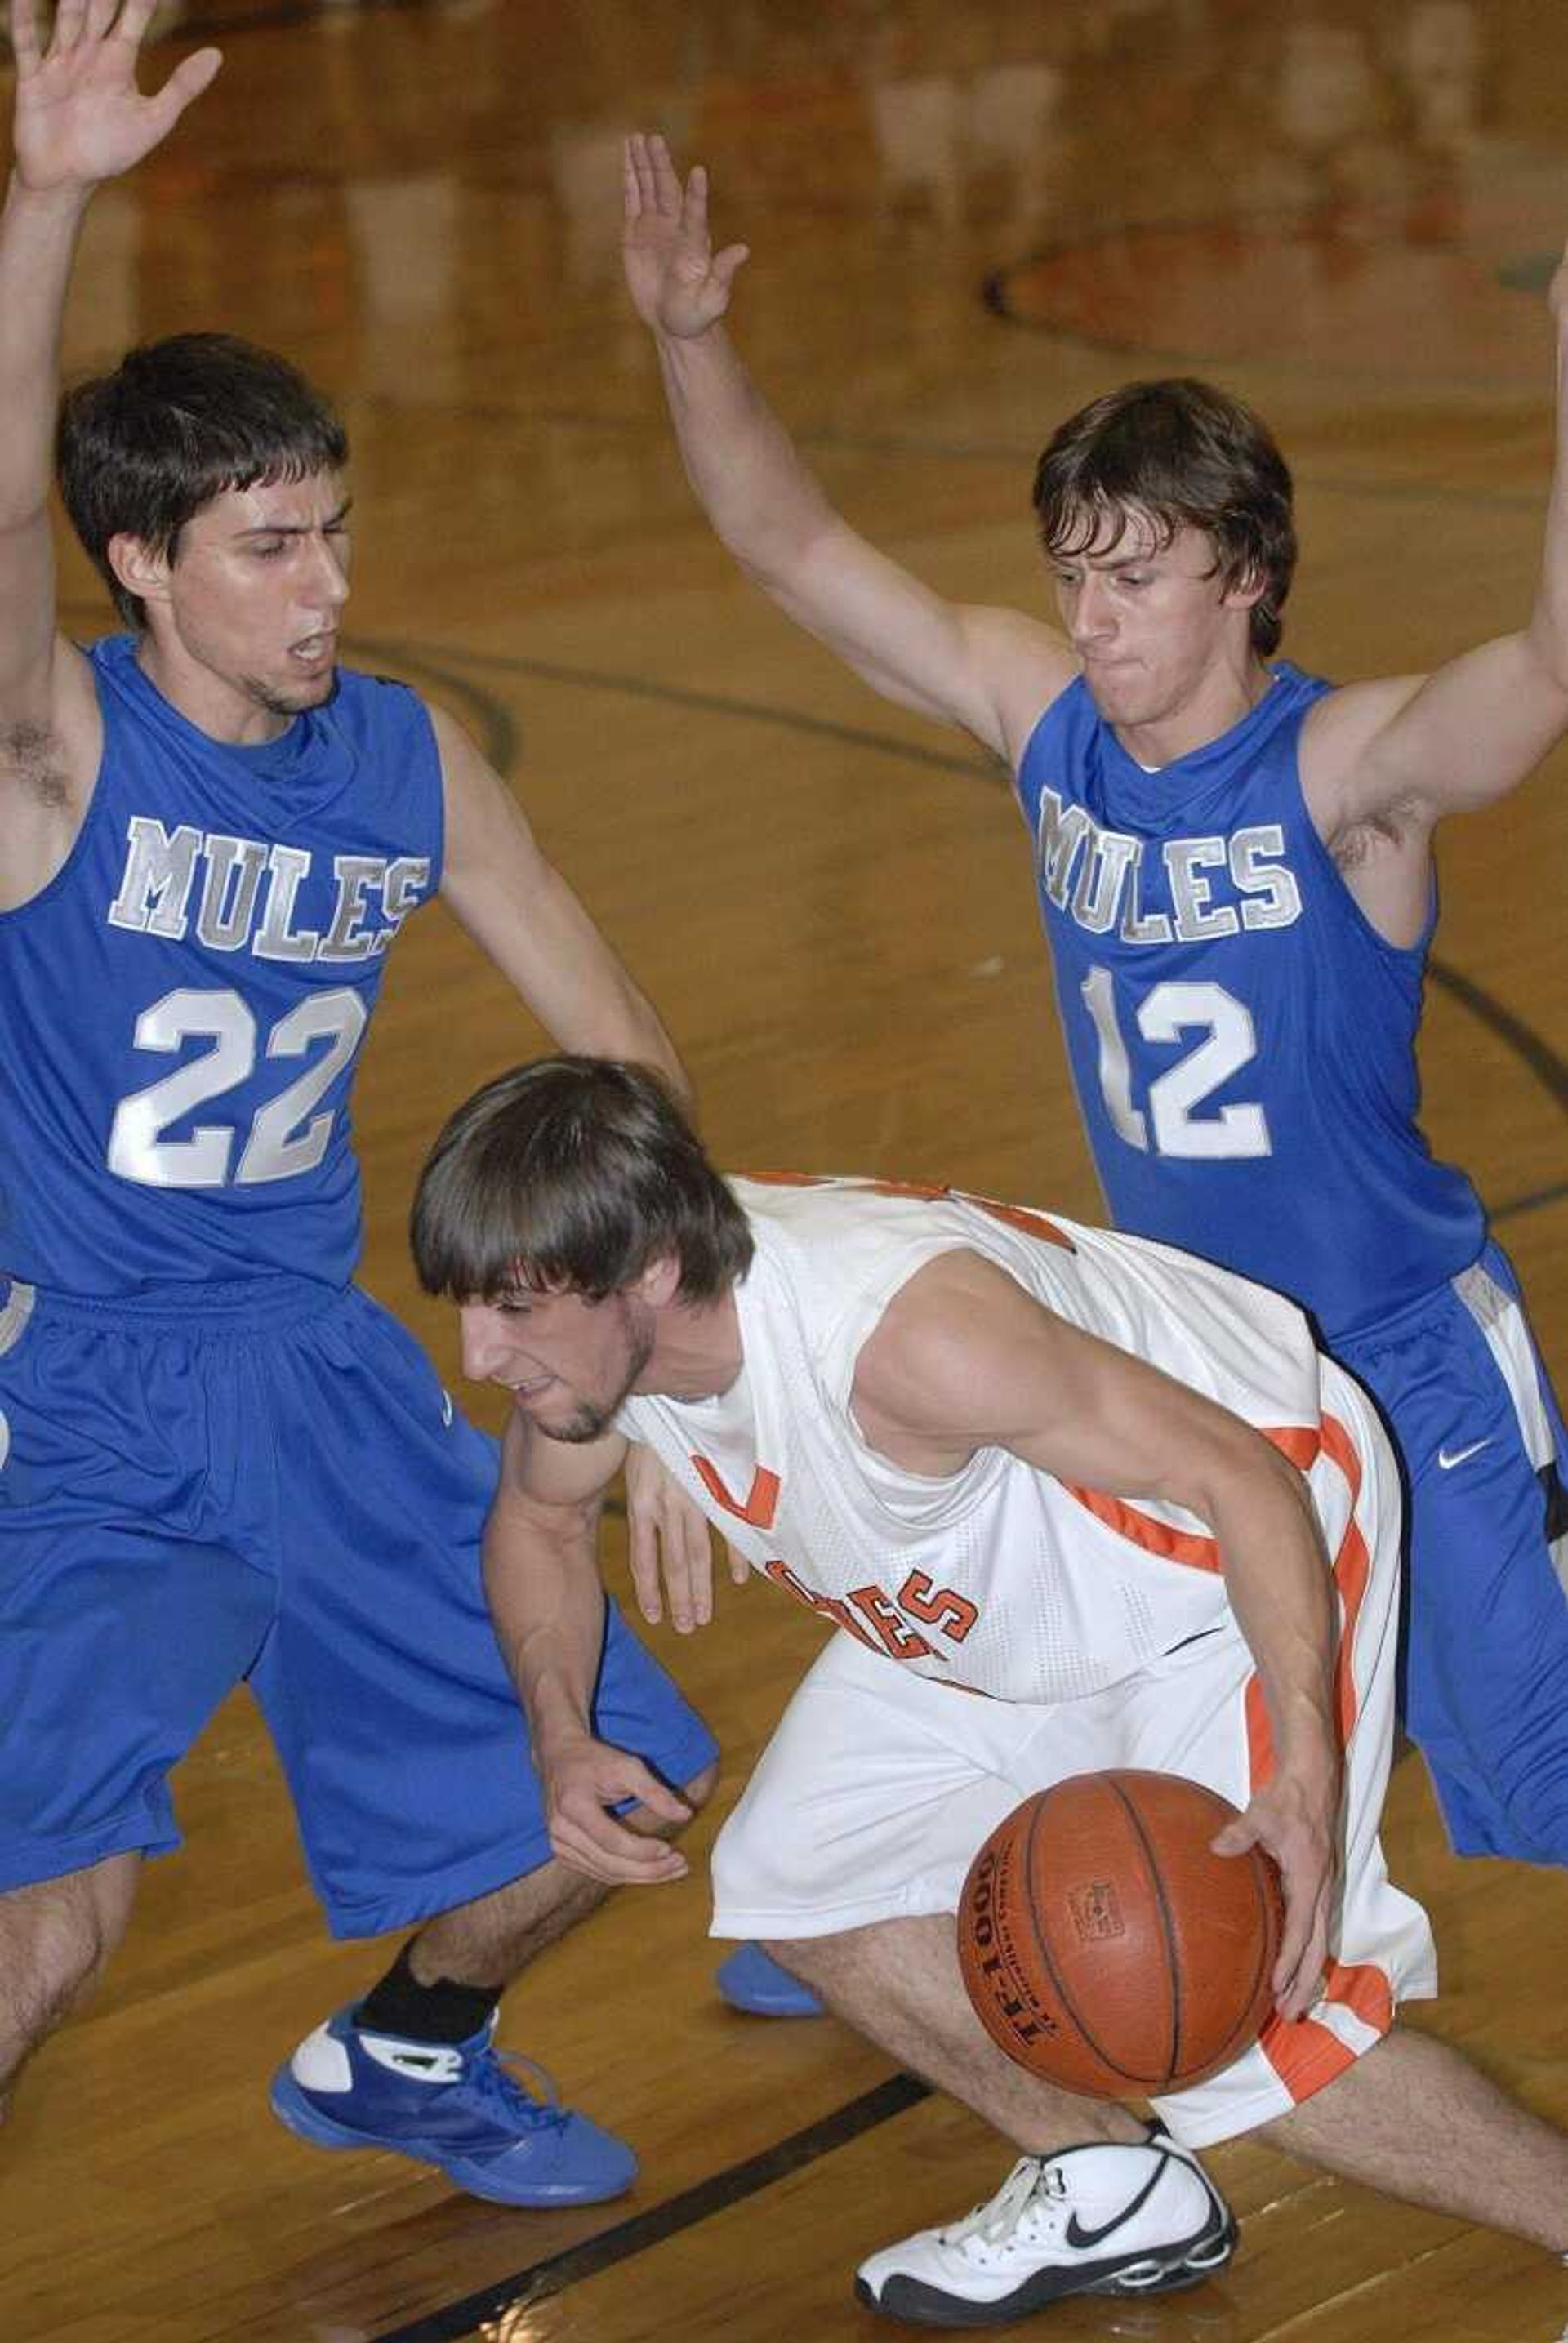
880	1785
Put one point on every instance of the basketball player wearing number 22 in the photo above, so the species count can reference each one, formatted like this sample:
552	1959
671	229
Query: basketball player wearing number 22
1077	1502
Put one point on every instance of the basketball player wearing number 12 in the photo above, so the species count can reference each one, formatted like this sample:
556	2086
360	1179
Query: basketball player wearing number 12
1234	864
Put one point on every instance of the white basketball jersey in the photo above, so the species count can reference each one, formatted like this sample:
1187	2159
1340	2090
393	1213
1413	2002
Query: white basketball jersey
1001	1578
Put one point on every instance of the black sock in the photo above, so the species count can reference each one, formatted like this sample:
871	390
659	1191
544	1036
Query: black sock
443	2012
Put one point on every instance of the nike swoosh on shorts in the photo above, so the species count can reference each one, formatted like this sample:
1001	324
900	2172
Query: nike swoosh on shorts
1447	1462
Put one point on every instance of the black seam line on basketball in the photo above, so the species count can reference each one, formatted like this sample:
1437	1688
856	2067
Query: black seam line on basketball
1137	2085
1032	1911
557	2272
1049	1964
1167	1924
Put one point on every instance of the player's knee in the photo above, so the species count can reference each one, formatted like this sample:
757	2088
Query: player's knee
55	1940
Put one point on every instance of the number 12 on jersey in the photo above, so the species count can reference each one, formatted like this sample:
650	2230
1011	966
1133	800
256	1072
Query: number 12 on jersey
1227	1041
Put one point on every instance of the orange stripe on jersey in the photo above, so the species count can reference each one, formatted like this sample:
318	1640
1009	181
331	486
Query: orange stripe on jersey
761	1499
922	1192
1260	1736
1305	2053
1298	1442
1351	1569
1141	1529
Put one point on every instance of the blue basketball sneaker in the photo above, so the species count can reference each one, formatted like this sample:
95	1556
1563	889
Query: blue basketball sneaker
753	1980
455	2106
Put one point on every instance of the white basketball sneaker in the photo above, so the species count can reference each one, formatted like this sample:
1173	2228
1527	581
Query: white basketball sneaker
1137	2220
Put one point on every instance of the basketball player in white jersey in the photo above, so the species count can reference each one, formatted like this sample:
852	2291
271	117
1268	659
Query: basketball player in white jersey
1110	1488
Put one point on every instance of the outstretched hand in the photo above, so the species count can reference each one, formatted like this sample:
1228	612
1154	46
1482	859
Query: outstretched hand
1296	1826
678	283
79	116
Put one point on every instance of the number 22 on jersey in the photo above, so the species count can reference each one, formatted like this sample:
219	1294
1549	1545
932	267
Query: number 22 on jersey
285	1138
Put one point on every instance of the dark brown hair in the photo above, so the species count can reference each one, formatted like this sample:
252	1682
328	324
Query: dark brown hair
140	451
574	1173
1174	452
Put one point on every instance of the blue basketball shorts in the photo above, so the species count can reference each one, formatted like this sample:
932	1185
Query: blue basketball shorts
1486	1457
272	1487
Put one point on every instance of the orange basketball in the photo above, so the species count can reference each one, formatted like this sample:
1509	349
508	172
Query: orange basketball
1106	1949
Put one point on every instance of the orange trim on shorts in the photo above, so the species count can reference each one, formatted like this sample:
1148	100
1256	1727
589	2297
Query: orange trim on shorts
1352	1571
1299	1444
1306	2054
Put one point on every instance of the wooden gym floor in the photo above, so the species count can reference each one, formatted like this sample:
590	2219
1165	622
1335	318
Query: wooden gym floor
966	220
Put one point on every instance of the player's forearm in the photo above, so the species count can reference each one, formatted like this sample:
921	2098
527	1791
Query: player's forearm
594	1010
546	1601
38	237
1547	631
748	474
1281	1589
623	1023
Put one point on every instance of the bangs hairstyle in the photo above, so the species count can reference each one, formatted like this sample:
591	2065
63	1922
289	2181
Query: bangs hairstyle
139	452
575	1174
1174	453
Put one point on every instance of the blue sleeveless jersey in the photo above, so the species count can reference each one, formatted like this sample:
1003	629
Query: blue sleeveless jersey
182	1007
1243	1041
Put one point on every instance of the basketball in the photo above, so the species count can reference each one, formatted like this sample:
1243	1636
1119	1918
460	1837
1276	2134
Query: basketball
1107	1948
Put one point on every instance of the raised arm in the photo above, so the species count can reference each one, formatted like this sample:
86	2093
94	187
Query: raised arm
990	670
964	1359
78	119
542	1580
524	917
1411	749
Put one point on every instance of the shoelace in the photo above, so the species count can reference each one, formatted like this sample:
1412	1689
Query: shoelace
490	2082
991	2222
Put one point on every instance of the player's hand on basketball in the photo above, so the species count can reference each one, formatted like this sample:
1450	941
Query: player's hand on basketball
583	1779
1293	1817
79	116
671	1546
678	283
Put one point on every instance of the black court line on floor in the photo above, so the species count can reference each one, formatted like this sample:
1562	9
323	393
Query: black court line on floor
646	2230
283	18
704	703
